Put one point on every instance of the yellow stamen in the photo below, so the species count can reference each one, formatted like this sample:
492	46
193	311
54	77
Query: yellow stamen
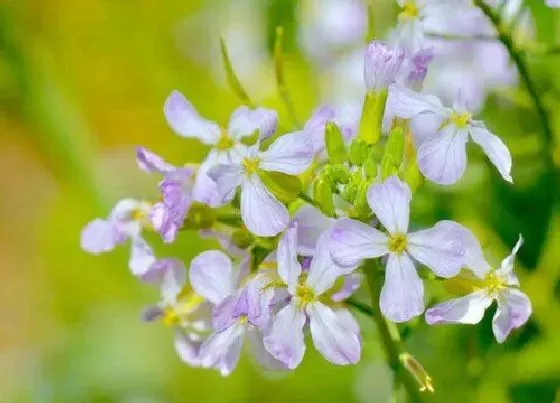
409	11
225	142
460	119
251	165
398	242
493	284
305	295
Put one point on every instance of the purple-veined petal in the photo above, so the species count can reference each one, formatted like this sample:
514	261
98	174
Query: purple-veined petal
424	127
222	349
334	337
443	157
244	122
351	241
177	198
187	348
259	303
205	190
259	352
186	122
506	267
227	178
98	236
141	257
351	283
151	162
311	222
402	295
291	154
381	65
211	275
468	309
223	314
323	271
406	103
262	214
289	268
495	149
390	201
441	248
169	275
157	216
284	341
473	259
514	309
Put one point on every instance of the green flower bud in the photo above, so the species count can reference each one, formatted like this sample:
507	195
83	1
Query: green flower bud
371	121
394	152
334	142
242	238
200	217
359	151
338	173
323	195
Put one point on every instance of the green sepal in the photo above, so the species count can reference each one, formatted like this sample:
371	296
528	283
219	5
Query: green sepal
323	195
371	121
285	187
334	142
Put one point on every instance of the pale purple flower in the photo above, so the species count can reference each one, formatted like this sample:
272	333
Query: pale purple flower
310	223
553	3
335	333
226	144
440	248
416	67
261	212
126	222
500	285
181	308
237	312
442	157
178	192
381	65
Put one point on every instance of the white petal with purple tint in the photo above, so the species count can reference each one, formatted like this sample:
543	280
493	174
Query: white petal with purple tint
495	149
289	268
290	154
514	309
211	275
390	201
467	310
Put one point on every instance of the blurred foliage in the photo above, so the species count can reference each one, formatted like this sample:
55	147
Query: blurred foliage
82	82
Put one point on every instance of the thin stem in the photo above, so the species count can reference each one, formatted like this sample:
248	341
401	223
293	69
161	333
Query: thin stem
280	78
390	338
359	306
506	39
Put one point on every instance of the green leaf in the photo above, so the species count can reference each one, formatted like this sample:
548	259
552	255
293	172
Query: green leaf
334	141
285	187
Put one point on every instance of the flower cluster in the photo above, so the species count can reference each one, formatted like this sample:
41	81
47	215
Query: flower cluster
302	217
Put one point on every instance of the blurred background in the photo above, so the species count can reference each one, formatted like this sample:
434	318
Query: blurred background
83	82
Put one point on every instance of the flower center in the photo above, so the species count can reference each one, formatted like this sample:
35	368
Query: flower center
187	302
409	11
304	294
493	283
398	242
243	319
251	165
225	142
460	119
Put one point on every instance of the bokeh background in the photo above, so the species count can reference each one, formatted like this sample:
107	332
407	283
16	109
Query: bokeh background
82	82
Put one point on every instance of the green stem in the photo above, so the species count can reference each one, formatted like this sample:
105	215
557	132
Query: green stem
359	306
505	38
389	335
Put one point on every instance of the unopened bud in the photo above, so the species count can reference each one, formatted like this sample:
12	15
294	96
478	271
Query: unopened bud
418	372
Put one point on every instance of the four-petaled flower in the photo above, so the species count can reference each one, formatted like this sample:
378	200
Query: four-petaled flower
261	212
440	248
500	285
335	333
442	156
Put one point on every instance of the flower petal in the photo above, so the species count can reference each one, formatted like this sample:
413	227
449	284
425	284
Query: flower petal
351	241
211	275
151	162
506	267
514	309
244	122
185	121
441	248
443	158
169	275
311	222
473	258
390	201
289	268
141	257
323	271
205	190
495	149
315	126
406	103
262	214
259	352
290	154
334	336
350	285
176	193
227	178
468	309
187	348
98	236
222	349
284	341
402	295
